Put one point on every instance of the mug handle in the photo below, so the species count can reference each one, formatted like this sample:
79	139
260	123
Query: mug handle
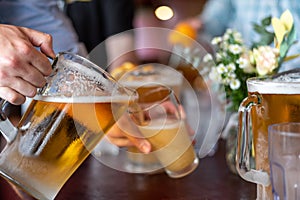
244	164
8	130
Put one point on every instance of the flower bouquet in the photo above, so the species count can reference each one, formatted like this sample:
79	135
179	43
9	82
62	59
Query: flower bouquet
234	62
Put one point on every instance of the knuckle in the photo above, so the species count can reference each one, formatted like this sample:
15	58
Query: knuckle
25	48
14	98
37	80
12	62
48	37
26	90
3	76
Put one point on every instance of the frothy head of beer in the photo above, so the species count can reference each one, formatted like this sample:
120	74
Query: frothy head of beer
283	83
152	73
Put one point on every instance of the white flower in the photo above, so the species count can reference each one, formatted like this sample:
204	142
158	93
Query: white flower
221	69
235	49
238	37
226	36
243	62
246	61
216	40
226	80
231	67
228	31
224	45
231	75
235	84
207	58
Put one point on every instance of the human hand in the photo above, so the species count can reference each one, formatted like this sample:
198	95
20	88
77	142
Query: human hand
23	67
125	134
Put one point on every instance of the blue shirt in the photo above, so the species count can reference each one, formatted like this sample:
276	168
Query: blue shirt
44	16
241	14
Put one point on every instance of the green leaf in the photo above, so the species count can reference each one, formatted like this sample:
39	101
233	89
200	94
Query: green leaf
259	29
292	37
286	44
266	37
266	21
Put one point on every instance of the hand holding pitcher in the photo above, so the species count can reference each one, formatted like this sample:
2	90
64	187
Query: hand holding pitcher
62	125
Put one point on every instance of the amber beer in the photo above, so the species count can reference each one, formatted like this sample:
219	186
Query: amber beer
57	135
272	102
160	122
171	145
134	155
145	79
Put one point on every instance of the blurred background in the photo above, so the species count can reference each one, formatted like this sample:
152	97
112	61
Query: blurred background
147	15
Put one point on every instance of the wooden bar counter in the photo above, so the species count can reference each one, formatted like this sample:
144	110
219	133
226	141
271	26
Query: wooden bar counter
212	180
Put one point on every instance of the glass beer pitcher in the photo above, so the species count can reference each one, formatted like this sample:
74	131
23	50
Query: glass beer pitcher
270	100
62	125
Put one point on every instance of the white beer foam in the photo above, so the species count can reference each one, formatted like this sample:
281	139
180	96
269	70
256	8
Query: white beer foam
82	99
273	87
137	84
286	83
159	124
84	73
163	75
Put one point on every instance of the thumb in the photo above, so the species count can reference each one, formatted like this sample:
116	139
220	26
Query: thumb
141	143
133	134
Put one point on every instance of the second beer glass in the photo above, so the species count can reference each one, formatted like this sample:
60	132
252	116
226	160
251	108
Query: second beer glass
159	120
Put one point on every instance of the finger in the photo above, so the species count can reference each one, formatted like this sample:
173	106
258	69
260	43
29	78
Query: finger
128	136
42	40
120	142
141	143
11	96
132	132
15	67
170	107
34	77
36	58
182	112
20	86
40	62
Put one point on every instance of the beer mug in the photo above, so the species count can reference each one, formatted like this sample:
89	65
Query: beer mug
270	100
62	125
144	79
158	116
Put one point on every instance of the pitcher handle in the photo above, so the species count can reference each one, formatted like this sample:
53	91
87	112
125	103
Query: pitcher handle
8	130
244	163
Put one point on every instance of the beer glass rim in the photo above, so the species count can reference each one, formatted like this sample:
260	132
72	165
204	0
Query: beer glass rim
282	129
157	69
266	85
151	105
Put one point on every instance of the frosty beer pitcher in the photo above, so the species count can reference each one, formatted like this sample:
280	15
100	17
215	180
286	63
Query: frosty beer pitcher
270	100
62	125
